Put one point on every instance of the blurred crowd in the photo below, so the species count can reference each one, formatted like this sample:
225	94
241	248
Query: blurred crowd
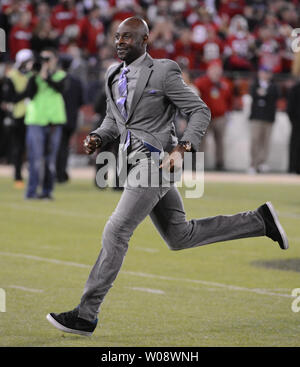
243	33
211	40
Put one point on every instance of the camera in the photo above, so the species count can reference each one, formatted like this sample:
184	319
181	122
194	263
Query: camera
39	61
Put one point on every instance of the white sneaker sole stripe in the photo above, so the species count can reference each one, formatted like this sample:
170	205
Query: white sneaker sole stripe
279	226
65	329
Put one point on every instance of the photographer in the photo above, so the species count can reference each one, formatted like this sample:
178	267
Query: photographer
14	95
44	118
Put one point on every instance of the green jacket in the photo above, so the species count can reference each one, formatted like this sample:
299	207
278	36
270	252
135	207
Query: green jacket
47	106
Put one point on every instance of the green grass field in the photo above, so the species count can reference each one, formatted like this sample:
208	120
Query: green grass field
235	293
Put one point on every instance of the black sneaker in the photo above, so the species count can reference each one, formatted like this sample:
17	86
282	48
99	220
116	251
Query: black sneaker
69	322
274	229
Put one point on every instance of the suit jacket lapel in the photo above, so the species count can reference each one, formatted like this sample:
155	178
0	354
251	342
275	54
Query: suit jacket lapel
110	78
141	83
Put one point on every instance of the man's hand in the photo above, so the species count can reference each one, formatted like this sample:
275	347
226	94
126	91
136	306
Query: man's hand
44	71
174	159
91	143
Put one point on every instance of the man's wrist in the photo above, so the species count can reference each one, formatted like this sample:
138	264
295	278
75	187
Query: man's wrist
186	145
97	139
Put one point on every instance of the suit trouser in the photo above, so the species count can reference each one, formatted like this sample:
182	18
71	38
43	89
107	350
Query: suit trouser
165	207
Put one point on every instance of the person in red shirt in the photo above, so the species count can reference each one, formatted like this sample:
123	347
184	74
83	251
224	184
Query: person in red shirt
91	32
122	9
13	7
211	49
232	7
184	50
63	15
161	38
216	92
269	50
285	40
21	34
202	25
240	45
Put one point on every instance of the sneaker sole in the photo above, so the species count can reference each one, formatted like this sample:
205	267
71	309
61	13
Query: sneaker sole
65	329
279	226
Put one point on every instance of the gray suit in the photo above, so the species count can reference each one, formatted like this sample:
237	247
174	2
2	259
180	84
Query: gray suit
158	92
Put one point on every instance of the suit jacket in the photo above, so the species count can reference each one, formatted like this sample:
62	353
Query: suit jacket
263	107
159	92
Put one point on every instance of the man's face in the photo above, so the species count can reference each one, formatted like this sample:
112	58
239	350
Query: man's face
28	66
25	18
130	42
214	72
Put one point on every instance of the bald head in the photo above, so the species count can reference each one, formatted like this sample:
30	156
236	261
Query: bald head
131	39
138	24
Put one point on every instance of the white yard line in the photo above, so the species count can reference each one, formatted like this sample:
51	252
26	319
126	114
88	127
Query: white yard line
154	276
288	215
147	290
145	249
25	289
38	258
208	283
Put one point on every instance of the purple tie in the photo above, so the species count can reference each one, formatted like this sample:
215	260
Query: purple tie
121	101
122	87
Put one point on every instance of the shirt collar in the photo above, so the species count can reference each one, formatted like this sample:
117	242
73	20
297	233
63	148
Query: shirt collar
136	63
